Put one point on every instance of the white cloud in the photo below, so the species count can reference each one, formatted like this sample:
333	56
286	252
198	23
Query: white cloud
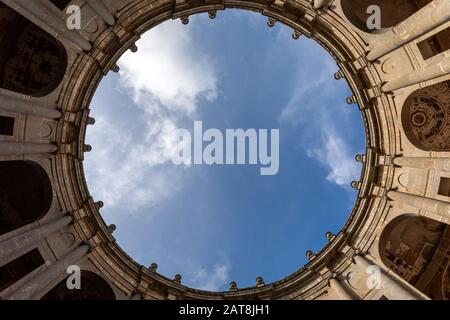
335	155
254	19
212	280
124	172
318	115
168	79
170	70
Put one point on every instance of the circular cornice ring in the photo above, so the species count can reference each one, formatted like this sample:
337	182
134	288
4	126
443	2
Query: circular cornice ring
325	27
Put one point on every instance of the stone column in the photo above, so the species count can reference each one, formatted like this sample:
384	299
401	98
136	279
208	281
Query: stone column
21	148
24	242
319	4
35	287
426	73
24	106
39	10
423	21
441	164
100	8
393	288
438	207
342	292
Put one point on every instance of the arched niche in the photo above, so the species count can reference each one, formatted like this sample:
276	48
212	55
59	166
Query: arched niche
426	117
32	62
416	249
392	11
93	287
25	194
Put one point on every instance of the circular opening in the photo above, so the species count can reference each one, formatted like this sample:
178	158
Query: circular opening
218	223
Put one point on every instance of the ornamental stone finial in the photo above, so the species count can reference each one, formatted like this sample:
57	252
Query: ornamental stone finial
185	20
153	267
91	121
260	282
212	14
330	236
112	228
233	286
115	68
134	48
271	22
355	185
310	255
339	75
351	100
87	148
177	278
359	158
296	34
99	204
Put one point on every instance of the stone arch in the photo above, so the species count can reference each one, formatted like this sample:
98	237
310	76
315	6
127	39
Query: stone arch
93	287
426	117
25	194
392	11
32	62
416	249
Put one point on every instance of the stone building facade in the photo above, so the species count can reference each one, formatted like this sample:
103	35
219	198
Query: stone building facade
400	79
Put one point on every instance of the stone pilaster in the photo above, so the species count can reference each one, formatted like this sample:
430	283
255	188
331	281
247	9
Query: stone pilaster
392	287
21	148
25	106
423	21
438	207
24	242
440	164
35	288
429	72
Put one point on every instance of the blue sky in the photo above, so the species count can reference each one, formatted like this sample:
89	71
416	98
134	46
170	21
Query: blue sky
216	224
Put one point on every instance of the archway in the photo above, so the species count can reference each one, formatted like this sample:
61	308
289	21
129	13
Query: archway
25	194
93	287
416	249
32	62
392	11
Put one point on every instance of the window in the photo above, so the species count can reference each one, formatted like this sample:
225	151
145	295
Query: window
444	187
6	126
435	44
